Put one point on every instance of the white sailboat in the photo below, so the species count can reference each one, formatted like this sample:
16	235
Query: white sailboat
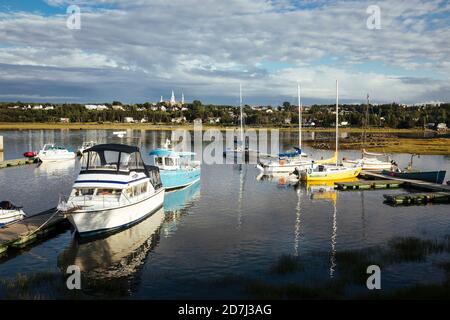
240	149
288	162
320	172
369	160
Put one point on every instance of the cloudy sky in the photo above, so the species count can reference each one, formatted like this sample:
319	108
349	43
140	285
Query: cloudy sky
136	51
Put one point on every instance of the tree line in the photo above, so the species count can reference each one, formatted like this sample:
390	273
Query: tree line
386	115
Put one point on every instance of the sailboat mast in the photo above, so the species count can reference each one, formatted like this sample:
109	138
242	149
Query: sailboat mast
242	115
337	120
299	117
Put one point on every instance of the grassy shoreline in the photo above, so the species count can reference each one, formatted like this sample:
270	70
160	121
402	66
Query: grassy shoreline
431	146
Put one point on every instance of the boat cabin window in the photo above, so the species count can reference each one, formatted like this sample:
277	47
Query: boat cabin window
170	162
108	192
84	192
158	161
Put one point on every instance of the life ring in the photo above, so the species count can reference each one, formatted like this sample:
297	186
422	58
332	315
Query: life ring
282	162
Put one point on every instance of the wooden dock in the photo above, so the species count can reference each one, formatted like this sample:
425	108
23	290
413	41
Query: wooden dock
31	229
16	162
369	184
417	198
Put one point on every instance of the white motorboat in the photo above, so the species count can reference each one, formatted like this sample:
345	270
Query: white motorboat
10	213
369	161
51	152
114	190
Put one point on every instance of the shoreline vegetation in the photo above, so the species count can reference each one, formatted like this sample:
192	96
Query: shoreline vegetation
381	139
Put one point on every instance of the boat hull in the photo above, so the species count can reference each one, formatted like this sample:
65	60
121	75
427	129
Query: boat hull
9	216
338	175
175	179
89	223
429	176
367	165
46	157
281	168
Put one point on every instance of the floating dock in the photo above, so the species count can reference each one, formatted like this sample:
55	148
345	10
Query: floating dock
369	184
31	229
417	198
16	162
408	183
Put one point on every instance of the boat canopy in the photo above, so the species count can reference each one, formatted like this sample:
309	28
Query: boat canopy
113	157
293	154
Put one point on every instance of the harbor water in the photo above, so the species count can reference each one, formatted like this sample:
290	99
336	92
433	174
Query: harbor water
234	234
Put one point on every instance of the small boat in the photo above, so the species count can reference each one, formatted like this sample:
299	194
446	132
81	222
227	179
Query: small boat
335	172
30	154
429	176
10	213
51	152
177	169
320	172
120	134
369	161
113	190
85	145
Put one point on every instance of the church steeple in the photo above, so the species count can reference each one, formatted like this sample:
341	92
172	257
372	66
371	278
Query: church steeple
172	99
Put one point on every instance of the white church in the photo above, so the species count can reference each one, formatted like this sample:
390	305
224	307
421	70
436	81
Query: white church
173	101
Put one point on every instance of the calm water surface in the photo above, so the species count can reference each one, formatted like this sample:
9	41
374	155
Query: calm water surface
215	236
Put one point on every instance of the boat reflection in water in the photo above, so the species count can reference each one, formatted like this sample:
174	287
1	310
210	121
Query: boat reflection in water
56	169
116	257
175	205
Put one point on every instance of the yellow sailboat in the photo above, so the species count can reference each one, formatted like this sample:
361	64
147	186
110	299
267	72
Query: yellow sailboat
319	171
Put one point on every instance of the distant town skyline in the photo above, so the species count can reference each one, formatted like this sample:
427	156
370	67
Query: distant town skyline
134	52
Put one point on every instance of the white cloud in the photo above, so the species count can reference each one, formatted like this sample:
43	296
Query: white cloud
211	46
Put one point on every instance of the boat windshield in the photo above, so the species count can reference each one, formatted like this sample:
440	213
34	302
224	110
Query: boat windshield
111	160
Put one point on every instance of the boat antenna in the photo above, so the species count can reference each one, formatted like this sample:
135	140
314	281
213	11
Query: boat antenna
299	117
337	120
366	121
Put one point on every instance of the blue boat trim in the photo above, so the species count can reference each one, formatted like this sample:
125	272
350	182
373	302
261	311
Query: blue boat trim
109	181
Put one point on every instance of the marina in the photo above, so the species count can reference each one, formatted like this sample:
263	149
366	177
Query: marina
204	236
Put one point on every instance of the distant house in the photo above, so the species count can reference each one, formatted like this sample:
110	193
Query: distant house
441	126
287	121
118	107
154	108
214	120
269	111
184	109
96	107
49	108
344	123
163	108
64	120
144	120
128	120
39	107
178	120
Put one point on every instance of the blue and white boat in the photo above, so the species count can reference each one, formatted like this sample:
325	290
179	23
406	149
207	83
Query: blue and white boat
177	169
